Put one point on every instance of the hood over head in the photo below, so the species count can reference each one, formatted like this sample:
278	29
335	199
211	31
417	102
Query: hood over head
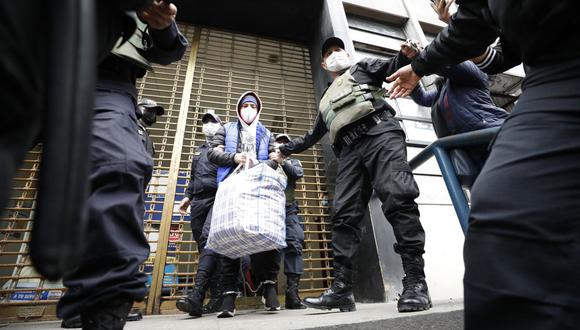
252	97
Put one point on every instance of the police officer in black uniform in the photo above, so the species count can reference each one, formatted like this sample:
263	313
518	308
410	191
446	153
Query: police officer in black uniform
107	282
293	262
200	196
371	150
522	248
147	113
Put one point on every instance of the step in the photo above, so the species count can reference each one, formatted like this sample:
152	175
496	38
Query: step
447	315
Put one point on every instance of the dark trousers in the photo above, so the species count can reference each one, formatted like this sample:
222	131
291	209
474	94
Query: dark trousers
265	267
210	264
200	212
522	250
376	162
293	261
115	246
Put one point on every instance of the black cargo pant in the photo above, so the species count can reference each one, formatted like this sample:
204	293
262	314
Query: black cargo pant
293	262
209	265
200	210
522	250
115	246
376	162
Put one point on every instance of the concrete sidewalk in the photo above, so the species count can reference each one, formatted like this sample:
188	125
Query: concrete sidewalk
444	316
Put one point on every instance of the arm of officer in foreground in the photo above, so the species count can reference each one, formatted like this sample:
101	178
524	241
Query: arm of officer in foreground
216	155
293	169
300	144
465	74
467	35
498	58
168	43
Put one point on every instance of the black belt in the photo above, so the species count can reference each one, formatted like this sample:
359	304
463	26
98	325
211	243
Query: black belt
354	131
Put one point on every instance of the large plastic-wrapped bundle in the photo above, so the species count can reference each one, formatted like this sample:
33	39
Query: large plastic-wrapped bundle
249	213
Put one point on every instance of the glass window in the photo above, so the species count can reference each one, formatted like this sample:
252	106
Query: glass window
380	28
430	167
419	132
375	41
409	108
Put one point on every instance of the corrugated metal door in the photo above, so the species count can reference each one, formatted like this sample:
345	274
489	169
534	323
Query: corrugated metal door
217	68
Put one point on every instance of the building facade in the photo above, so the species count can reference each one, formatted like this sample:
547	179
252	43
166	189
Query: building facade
272	47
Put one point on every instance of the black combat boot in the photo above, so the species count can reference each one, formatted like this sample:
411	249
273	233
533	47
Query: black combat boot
269	296
415	296
228	308
108	316
339	295
292	298
72	322
193	303
216	298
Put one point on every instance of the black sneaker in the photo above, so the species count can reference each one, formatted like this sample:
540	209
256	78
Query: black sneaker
72	322
269	296
228	308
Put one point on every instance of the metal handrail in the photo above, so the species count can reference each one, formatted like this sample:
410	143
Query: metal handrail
440	149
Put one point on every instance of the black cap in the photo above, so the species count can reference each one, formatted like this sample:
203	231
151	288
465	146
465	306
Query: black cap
208	116
332	41
283	136
150	104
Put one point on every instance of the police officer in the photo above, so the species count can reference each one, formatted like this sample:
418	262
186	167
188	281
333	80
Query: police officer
147	113
107	282
371	150
200	196
293	262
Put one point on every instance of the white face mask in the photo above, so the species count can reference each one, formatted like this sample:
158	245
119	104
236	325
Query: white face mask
248	114
209	129
337	61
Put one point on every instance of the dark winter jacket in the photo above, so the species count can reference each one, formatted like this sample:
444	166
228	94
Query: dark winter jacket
202	182
464	100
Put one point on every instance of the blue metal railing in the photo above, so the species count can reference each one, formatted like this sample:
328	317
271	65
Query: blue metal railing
440	149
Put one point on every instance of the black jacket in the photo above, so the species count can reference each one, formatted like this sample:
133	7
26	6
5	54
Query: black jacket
202	182
531	28
294	172
147	142
372	71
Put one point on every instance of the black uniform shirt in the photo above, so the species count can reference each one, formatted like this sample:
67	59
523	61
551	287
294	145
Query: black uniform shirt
203	175
147	142
372	71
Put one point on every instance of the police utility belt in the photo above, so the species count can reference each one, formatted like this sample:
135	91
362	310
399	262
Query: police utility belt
354	131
